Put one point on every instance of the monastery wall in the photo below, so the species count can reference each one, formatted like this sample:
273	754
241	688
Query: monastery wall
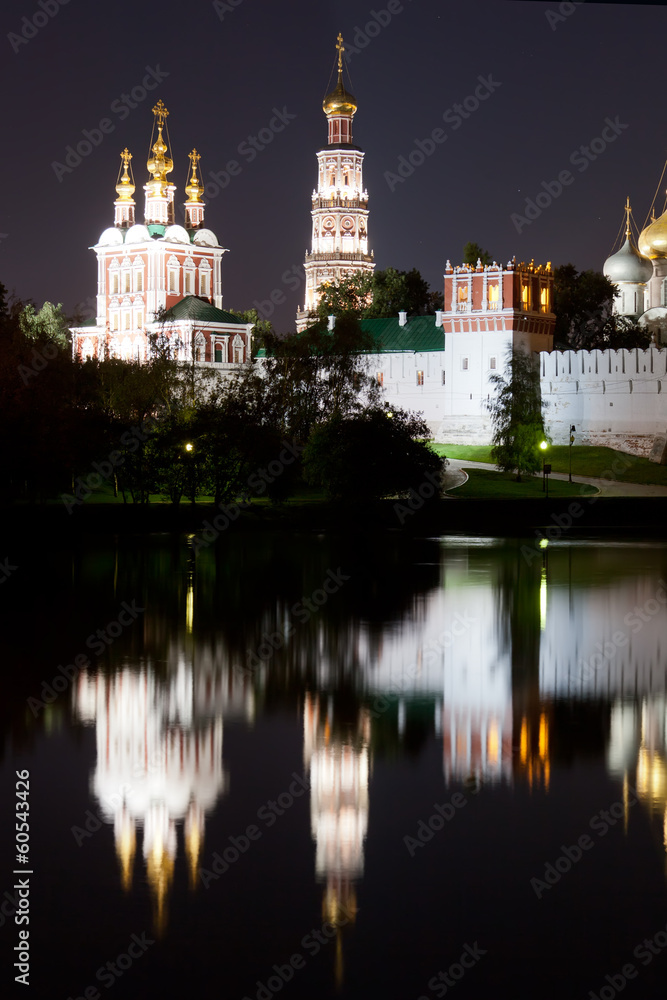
614	398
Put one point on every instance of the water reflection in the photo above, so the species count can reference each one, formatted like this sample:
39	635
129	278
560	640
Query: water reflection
515	662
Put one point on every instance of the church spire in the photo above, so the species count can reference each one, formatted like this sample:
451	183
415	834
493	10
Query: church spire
125	203
194	206
159	192
339	106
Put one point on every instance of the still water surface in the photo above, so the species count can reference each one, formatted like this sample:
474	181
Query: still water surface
315	767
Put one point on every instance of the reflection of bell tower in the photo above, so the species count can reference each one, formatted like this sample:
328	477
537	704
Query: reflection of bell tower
157	763
339	772
340	204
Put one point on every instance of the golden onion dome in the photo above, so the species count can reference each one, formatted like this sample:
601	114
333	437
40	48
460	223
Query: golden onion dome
125	187
339	101
194	189
653	240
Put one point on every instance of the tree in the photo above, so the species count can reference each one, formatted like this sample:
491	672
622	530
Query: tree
307	377
394	291
260	326
472	252
516	415
50	323
351	294
583	303
371	454
382	294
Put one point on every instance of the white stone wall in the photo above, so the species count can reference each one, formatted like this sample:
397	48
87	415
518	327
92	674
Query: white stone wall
617	399
613	398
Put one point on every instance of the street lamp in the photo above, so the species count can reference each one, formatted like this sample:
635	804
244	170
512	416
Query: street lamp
546	469
572	430
189	447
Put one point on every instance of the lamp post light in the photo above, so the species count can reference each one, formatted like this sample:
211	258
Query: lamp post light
572	431
189	449
546	469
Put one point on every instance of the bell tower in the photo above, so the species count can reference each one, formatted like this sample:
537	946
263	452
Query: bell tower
339	213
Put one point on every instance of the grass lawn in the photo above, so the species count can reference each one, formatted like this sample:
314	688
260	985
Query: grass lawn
586	461
484	484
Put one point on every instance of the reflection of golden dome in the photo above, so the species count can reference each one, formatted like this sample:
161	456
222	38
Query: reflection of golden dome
653	240
339	101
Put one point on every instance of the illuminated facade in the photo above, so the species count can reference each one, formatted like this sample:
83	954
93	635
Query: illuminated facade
339	245
160	268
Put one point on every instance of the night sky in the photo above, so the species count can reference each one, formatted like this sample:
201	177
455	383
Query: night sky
227	67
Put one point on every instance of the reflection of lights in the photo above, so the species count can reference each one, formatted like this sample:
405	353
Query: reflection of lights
492	744
651	777
523	742
543	599
544	737
189	607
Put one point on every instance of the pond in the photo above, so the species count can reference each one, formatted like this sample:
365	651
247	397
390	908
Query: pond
322	766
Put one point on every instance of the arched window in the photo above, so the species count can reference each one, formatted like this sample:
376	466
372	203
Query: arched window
493	297
237	349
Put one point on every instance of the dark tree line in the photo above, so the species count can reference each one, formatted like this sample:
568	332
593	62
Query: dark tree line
174	431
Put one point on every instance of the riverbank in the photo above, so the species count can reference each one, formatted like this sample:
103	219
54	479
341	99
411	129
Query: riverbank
566	515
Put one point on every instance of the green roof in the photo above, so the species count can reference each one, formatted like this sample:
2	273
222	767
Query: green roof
418	335
201	311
